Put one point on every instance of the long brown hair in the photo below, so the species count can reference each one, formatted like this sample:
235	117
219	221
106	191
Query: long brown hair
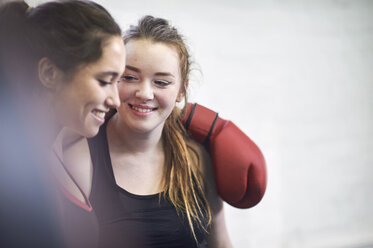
182	180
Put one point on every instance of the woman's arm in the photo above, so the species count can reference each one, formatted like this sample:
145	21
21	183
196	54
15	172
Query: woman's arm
218	235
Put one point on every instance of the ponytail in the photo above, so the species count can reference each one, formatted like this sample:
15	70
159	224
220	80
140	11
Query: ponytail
13	13
14	45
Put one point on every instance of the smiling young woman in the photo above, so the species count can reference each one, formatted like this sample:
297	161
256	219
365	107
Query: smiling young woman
57	59
83	99
150	86
153	186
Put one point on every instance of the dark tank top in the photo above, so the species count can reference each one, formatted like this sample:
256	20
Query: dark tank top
79	222
129	220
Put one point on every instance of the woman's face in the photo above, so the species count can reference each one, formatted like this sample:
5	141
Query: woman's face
150	85
82	101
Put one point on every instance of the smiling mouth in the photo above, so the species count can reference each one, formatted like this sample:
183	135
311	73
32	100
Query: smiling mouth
142	109
99	114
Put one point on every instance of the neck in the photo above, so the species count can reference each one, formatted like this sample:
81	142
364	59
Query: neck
122	138
65	138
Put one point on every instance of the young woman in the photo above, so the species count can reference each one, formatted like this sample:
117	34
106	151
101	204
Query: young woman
152	186
58	58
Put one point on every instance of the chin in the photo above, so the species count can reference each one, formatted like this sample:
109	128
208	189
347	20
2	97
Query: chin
139	130
89	133
146	128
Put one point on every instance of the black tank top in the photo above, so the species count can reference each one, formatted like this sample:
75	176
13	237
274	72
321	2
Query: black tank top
79	222
129	220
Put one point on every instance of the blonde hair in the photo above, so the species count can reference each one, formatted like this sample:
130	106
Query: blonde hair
182	180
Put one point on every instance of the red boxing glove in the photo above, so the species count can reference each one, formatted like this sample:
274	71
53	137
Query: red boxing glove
239	166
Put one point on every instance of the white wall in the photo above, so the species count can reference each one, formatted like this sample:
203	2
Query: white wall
297	77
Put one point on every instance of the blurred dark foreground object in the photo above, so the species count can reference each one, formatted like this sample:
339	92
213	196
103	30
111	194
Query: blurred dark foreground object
27	211
28	214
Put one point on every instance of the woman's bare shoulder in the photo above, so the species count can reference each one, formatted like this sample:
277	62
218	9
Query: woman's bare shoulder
198	154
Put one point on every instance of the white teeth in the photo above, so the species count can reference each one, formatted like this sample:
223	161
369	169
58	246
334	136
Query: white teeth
99	114
141	109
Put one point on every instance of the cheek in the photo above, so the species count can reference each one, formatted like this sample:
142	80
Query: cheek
99	94
124	91
168	98
74	94
88	91
64	99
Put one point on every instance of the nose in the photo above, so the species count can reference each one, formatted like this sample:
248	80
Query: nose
145	91
113	100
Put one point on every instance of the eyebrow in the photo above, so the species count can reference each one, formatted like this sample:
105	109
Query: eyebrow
132	68
164	74
109	73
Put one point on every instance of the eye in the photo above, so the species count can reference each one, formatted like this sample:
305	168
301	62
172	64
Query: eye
161	83
103	82
128	78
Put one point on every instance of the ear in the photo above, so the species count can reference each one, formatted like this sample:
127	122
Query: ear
49	73
182	92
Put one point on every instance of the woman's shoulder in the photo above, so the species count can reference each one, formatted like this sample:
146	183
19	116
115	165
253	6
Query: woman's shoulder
200	156
197	152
